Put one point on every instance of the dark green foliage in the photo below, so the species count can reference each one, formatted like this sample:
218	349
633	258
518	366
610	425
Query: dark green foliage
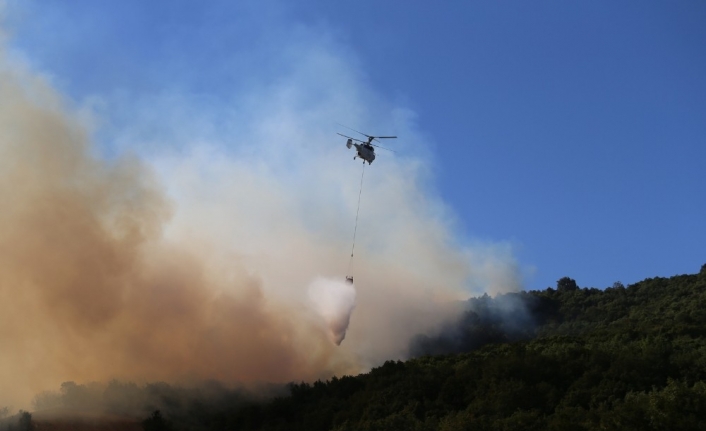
566	284
623	358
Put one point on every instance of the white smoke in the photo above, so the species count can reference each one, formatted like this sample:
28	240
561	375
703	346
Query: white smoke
334	301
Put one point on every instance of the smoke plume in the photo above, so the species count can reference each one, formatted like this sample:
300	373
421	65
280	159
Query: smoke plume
195	263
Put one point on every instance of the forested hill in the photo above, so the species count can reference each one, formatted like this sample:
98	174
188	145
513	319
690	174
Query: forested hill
623	358
651	308
564	358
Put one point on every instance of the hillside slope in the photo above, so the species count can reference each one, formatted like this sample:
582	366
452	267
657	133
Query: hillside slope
623	358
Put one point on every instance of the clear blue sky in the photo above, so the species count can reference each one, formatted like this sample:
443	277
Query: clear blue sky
574	130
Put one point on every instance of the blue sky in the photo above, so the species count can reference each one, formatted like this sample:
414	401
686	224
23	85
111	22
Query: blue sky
574	131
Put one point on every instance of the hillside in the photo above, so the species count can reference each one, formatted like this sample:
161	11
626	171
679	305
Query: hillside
622	358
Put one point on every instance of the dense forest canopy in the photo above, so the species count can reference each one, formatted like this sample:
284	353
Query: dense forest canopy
621	358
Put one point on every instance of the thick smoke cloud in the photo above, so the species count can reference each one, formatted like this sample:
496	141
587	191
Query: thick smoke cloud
196	262
90	287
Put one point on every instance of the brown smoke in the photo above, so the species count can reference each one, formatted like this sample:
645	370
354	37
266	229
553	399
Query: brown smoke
90	290
196	266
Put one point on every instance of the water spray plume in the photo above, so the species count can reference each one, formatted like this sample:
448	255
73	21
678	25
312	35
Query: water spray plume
334	301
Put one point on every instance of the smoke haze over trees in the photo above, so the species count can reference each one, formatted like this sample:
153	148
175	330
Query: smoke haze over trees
621	358
159	233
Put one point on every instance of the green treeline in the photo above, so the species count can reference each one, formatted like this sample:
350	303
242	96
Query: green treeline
623	358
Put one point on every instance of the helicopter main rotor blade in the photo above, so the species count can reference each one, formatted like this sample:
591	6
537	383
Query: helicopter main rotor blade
355	130
377	138
350	138
370	138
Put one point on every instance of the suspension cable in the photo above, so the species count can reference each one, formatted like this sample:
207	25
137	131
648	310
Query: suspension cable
355	230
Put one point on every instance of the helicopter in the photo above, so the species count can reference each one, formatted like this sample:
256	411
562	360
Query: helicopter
366	150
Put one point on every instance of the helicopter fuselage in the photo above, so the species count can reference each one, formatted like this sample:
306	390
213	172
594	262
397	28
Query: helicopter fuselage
365	151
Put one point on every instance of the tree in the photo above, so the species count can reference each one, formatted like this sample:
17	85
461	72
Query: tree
566	284
618	285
